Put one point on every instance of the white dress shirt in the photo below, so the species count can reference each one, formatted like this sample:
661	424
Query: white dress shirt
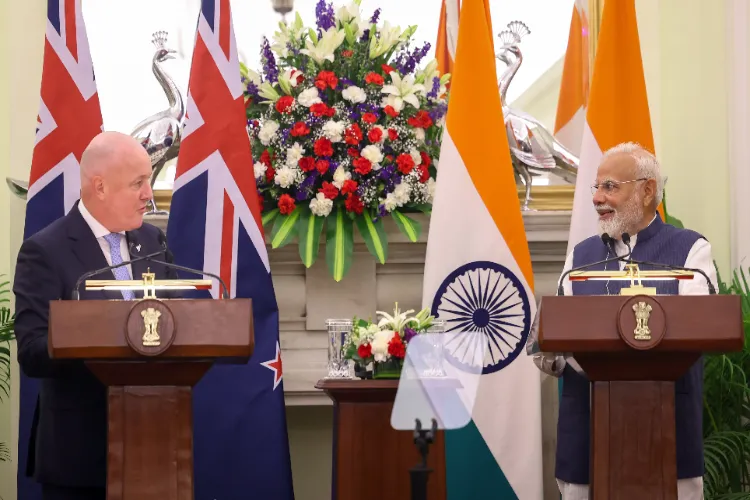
100	232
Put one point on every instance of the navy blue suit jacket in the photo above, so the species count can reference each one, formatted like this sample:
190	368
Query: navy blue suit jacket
68	444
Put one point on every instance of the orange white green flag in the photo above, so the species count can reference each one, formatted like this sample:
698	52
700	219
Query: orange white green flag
478	278
574	85
617	108
445	46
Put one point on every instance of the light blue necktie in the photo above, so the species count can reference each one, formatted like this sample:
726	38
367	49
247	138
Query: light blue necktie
121	273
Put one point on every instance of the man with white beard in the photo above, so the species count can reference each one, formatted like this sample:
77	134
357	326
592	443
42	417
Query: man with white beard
627	191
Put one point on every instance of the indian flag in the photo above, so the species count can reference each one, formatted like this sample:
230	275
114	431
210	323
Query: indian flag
617	108
445	46
478	278
574	86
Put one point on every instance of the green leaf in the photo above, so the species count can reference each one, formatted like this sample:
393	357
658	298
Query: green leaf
411	228
284	229
269	216
425	208
374	235
339	243
309	228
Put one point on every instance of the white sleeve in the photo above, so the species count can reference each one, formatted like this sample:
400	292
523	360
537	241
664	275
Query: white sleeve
567	284
699	257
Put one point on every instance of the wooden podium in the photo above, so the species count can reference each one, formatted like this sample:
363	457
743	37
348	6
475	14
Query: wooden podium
632	349
150	353
371	460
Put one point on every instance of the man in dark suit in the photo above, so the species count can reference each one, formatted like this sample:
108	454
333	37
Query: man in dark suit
68	446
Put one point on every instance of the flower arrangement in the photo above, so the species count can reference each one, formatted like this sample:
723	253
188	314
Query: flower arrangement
384	343
345	130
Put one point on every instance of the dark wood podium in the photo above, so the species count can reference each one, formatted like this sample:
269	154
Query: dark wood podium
371	460
150	353
633	348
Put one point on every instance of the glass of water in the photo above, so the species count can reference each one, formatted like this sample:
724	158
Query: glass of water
435	337
338	329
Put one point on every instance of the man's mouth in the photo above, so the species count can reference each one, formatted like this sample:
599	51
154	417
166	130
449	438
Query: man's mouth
605	213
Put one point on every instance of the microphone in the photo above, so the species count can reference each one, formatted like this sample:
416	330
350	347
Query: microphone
169	262
609	242
76	293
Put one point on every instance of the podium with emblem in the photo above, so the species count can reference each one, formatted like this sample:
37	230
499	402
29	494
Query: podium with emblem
150	353
633	347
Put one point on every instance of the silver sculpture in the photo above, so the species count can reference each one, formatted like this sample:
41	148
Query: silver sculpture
160	133
534	150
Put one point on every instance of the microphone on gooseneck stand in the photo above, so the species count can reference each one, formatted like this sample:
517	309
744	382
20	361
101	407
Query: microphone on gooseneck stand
169	262
75	295
609	242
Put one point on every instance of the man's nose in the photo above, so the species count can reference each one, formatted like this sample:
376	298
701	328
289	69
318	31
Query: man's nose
599	197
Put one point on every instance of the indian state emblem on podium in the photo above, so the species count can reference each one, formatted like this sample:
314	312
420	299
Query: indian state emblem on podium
642	314
150	324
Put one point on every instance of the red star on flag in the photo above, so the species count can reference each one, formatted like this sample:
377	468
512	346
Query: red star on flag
275	365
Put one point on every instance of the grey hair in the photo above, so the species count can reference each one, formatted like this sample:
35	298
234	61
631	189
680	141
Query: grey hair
646	164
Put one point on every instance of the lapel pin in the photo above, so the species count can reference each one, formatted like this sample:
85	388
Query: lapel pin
138	248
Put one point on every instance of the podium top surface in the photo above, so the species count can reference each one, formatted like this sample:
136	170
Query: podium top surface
177	328
671	323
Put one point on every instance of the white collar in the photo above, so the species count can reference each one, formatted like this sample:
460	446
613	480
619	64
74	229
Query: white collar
96	227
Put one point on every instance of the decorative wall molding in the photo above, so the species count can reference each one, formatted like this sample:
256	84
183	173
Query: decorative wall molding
307	297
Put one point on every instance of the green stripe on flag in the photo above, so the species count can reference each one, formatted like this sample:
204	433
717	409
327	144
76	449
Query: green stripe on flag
471	470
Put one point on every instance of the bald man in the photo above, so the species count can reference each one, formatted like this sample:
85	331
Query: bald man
68	445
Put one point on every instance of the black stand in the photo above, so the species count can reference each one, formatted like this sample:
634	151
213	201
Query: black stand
420	472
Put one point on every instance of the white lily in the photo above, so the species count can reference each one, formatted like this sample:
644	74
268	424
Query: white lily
267	91
286	34
395	322
402	90
323	49
389	38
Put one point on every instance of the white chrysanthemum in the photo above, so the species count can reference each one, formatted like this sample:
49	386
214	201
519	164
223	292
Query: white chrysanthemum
334	130
293	154
285	176
373	154
402	192
320	205
259	169
390	202
308	97
354	94
267	132
340	176
415	156
430	189
380	344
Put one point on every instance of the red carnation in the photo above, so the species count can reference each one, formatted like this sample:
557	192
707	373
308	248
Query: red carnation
387	69
349	186
421	120
369	117
362	166
405	163
426	160
353	152
286	204
319	108
390	111
300	129
326	79
265	158
329	190
323	147
392	134
322	166
375	78
424	174
284	104
396	347
364	351
375	135
306	163
354	204
347	53
270	173
353	134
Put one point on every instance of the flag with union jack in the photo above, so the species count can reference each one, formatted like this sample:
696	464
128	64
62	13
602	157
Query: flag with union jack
69	118
241	447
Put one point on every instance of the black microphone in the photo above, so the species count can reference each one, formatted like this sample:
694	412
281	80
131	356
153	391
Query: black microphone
76	293
609	242
169	262
626	240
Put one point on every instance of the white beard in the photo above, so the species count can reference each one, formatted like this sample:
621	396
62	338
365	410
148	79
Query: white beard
623	220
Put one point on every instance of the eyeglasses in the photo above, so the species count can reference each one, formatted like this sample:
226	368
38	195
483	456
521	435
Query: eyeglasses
610	187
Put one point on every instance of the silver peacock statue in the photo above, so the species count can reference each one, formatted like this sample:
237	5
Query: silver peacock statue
534	150
160	133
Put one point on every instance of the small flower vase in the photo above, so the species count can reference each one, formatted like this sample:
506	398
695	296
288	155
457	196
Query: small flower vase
388	369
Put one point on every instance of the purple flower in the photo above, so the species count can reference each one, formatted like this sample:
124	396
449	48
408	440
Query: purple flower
269	62
409	334
324	16
375	16
435	88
